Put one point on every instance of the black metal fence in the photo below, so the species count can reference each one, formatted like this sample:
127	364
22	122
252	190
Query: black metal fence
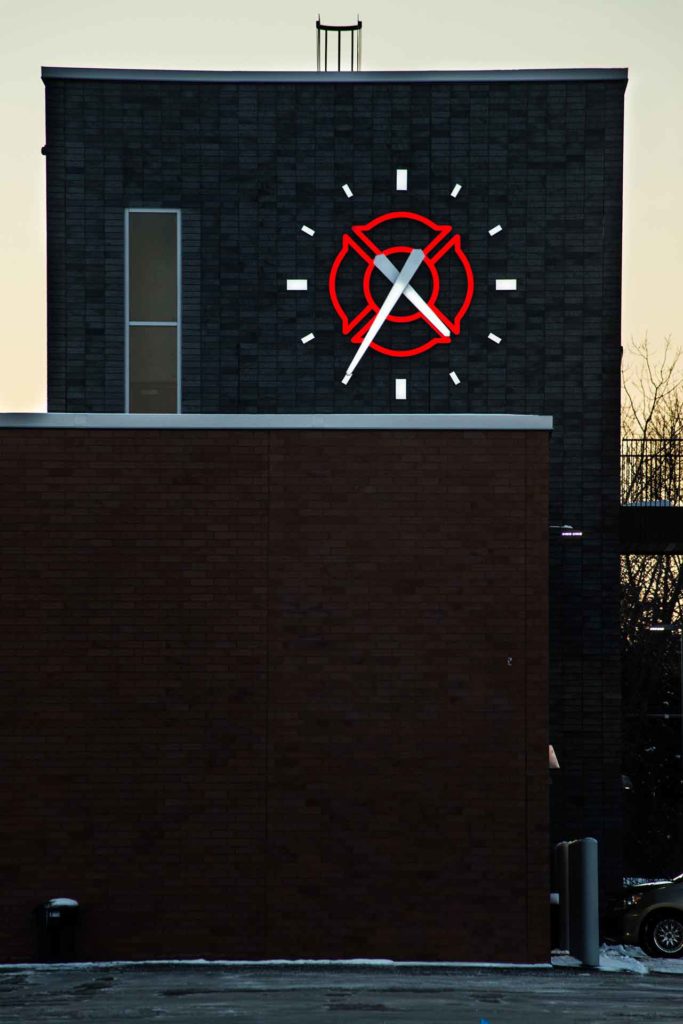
652	470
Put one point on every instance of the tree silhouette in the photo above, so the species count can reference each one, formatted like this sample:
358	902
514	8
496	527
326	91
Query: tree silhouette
652	593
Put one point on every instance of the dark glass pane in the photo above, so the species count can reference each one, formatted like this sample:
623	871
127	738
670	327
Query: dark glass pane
153	369
152	239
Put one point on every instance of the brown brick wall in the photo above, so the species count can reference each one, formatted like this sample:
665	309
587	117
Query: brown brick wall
256	698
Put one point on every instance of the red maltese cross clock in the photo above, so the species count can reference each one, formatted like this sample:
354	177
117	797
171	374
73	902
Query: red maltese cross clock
386	286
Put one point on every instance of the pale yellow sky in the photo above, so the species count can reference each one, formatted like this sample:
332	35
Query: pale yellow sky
643	35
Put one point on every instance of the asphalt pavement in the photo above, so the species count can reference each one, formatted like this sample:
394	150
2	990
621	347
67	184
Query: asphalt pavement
203	994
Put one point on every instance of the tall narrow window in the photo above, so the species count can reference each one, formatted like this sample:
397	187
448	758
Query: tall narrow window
153	310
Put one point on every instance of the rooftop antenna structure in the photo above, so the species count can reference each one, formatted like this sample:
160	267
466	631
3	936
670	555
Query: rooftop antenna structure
326	47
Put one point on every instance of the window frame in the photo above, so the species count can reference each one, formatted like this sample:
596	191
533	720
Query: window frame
128	323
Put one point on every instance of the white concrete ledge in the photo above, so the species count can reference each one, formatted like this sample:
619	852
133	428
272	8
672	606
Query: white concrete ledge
268	421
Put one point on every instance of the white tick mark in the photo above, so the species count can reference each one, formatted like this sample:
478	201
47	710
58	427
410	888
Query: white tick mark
494	337
297	284
456	189
347	191
454	377
494	231
402	180
306	230
307	337
506	284
401	386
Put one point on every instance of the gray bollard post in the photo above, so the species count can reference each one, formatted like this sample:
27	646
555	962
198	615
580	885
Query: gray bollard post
562	883
584	927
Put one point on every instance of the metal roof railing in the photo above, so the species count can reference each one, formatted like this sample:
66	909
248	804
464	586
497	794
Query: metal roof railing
323	49
652	471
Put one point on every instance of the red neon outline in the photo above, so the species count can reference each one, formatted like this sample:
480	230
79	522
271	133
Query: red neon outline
347	325
441	229
348	242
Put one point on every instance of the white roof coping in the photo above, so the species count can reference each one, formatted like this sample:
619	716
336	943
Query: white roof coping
271	421
337	77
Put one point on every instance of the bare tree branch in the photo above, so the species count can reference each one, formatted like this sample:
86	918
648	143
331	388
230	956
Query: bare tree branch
652	592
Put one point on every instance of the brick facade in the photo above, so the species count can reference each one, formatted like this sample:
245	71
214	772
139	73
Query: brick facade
276	692
248	159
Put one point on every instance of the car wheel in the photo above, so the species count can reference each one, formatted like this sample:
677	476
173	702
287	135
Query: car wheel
662	934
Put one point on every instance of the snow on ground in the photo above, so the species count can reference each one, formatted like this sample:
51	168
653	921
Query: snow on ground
623	958
663	966
630	882
89	965
632	958
629	959
563	959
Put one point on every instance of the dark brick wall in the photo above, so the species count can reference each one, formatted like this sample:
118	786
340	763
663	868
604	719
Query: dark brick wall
248	164
256	694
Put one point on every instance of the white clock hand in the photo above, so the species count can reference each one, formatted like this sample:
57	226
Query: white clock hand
409	267
384	264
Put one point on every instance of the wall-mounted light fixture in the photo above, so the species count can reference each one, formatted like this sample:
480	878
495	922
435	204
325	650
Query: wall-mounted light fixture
566	530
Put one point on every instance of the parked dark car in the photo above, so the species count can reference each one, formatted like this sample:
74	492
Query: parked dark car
650	915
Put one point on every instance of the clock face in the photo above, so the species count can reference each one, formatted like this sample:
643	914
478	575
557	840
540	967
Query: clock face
398	286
